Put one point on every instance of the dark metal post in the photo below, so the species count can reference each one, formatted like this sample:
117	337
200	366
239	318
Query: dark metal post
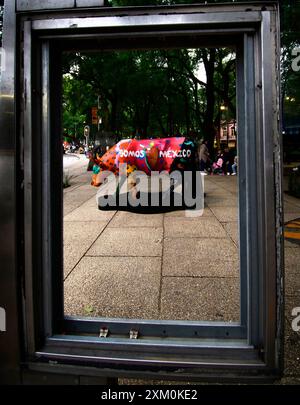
10	338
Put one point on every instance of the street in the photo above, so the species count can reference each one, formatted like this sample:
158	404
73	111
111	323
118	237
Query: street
74	164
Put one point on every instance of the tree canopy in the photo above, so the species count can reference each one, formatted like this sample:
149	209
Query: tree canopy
290	41
160	91
152	93
1	23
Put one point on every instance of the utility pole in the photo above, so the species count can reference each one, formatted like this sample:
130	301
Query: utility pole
86	133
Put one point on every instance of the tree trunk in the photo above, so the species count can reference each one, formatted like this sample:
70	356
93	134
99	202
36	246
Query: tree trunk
209	127
114	110
146	116
187	115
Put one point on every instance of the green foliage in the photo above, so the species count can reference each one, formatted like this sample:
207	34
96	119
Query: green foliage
290	39
158	92
151	93
78	98
1	23
88	309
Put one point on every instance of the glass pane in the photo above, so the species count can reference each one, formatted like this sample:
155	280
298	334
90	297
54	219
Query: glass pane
156	110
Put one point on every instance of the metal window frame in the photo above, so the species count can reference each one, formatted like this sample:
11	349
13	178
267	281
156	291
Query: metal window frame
252	348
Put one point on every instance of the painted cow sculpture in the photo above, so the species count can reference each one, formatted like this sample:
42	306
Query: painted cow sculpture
146	155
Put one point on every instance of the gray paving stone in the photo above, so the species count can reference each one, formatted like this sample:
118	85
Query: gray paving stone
291	207
291	302
129	219
288	244
200	275
219	192
75	196
292	283
123	287
75	181
292	258
200	299
80	186
193	227
226	214
292	272
291	351
200	257
290	216
128	242
291	199
184	267
209	186
184	214
78	237
220	201
232	229
89	212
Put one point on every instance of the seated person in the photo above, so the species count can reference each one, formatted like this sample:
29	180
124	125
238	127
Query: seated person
217	166
234	166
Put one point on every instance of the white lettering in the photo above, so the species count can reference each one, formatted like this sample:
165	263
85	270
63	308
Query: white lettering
138	188
174	153
106	195
121	395
138	195
2	320
296	321
138	154
2	60
295	63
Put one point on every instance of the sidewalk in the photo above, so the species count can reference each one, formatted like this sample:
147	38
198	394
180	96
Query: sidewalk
165	266
157	266
292	296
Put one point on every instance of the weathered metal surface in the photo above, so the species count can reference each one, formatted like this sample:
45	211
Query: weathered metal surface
9	340
31	5
135	21
265	136
89	3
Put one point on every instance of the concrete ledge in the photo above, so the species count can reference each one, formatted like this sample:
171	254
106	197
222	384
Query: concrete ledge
32	5
89	3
